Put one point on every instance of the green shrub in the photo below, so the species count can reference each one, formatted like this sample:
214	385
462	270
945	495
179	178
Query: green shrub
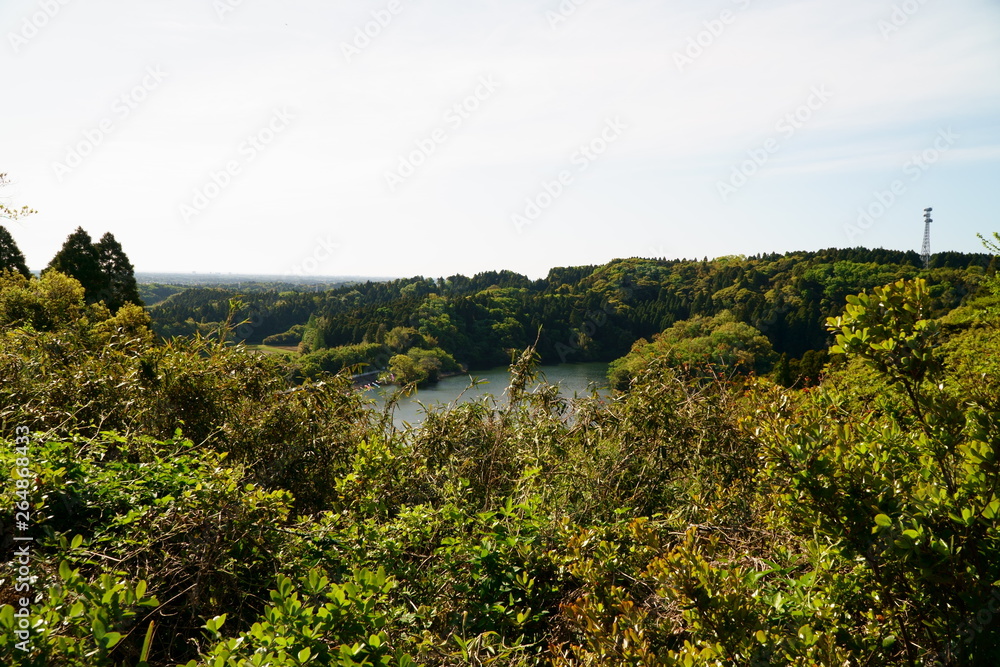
174	517
80	623
316	622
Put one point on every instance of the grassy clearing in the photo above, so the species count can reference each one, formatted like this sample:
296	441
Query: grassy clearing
275	349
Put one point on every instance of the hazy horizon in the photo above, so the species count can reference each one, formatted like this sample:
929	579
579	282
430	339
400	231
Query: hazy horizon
144	275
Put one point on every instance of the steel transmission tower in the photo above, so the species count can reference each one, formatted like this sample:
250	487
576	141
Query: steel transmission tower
925	251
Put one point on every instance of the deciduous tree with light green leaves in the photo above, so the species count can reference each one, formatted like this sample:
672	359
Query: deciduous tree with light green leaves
903	490
701	345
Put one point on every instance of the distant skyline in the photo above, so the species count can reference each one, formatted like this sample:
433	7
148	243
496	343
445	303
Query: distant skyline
400	138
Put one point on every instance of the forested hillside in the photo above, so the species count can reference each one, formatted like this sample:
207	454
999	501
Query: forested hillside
593	313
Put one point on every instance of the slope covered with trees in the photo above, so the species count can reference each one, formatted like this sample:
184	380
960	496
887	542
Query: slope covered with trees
593	313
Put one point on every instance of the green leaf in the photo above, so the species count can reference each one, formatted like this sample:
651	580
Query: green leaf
992	510
304	654
313	581
146	643
77	541
463	645
883	521
214	624
64	571
98	629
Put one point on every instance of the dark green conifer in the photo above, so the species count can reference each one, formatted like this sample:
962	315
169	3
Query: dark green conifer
118	272
78	259
10	255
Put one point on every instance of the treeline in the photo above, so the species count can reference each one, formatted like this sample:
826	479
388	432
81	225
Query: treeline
587	313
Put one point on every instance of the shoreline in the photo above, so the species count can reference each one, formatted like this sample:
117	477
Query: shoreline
470	374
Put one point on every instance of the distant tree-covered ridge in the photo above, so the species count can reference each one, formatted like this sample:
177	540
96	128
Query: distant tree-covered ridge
587	313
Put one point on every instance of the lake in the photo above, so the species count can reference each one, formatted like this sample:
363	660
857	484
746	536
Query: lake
571	378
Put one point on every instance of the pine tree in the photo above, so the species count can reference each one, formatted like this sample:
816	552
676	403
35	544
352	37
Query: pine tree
10	256
78	259
118	272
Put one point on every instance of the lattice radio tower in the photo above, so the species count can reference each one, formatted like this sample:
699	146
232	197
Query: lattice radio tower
925	251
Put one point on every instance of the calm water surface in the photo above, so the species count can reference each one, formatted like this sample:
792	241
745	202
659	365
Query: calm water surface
571	378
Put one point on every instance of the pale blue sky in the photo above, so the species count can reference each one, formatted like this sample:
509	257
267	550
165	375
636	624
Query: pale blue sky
670	119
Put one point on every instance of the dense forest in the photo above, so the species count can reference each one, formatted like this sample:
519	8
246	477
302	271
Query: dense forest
590	313
189	501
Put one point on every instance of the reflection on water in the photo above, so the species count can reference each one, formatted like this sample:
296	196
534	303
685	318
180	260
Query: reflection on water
571	378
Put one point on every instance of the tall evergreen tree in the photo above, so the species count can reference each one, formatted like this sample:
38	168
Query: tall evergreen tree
10	256
118	274
78	259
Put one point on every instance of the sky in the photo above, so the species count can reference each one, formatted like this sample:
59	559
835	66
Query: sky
411	137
